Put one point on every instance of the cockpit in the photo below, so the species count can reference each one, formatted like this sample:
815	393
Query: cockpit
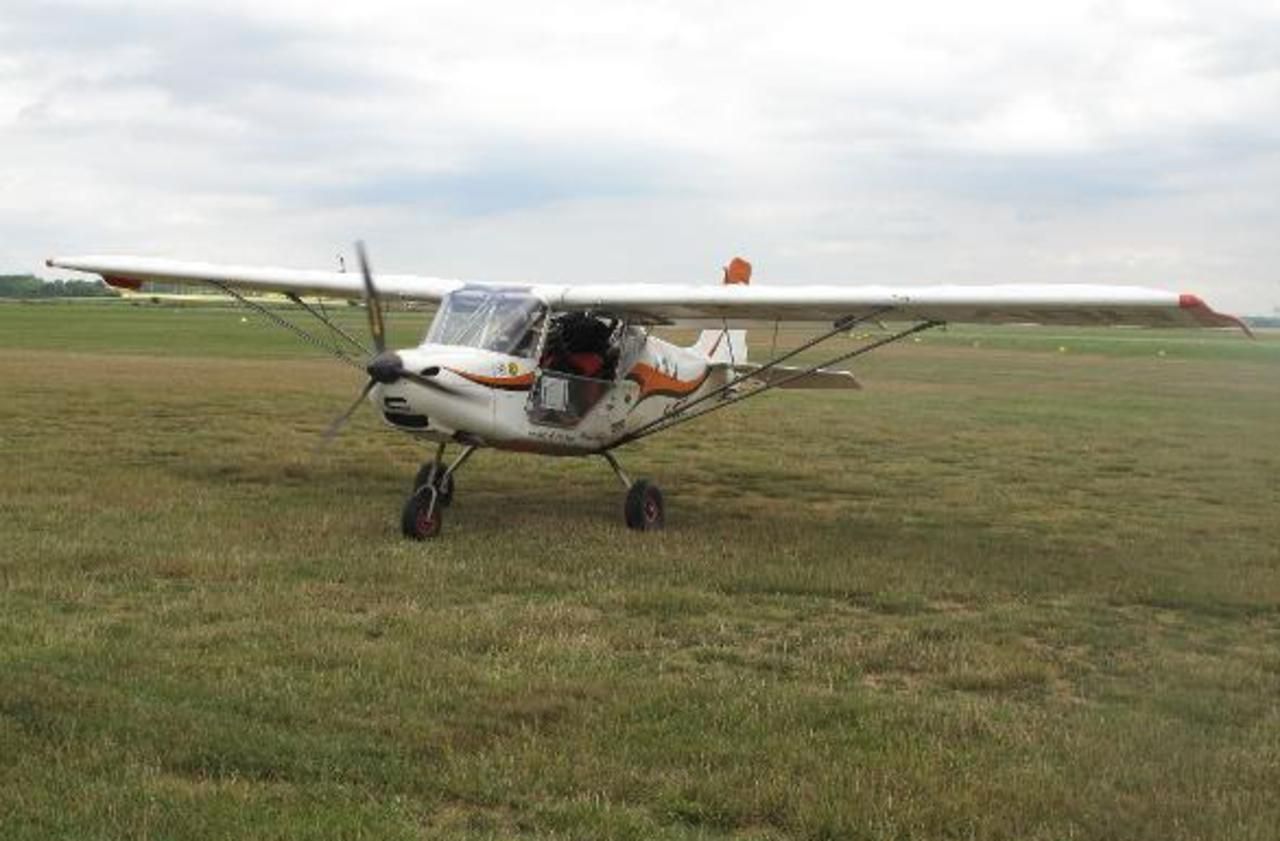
499	320
578	355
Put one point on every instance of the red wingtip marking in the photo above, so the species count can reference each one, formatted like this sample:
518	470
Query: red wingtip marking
1206	316
122	282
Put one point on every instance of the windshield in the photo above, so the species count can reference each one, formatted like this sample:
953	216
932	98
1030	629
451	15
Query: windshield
500	321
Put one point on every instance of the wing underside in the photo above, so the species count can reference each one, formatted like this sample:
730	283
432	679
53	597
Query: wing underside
717	306
132	272
1011	304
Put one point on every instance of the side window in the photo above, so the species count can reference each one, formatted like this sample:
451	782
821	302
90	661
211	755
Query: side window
457	319
503	322
527	344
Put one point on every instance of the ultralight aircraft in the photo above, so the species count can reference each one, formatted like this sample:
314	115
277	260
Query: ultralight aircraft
575	370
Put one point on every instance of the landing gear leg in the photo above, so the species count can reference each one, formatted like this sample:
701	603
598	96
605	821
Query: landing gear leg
434	473
423	513
643	508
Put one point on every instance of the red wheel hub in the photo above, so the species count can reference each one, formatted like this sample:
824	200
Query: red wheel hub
426	522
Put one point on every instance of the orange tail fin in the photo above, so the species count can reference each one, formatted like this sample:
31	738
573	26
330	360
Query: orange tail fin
738	271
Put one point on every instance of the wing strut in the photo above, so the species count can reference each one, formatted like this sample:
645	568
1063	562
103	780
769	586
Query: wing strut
681	413
839	327
281	321
323	317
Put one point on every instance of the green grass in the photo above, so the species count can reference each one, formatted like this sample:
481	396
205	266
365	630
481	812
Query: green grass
1006	591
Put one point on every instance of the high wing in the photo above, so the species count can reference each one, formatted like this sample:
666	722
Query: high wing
716	305
1004	304
131	272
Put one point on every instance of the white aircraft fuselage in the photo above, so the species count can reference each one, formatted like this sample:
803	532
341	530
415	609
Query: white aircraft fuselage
516	402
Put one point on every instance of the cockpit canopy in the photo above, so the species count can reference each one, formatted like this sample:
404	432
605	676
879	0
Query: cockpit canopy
500	320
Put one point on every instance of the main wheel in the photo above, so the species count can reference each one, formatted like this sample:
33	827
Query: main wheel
417	520
445	488
643	508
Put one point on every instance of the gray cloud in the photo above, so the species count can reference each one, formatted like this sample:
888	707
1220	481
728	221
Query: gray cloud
200	56
898	143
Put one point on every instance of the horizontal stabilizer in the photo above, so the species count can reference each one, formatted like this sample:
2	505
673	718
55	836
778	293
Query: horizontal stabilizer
782	376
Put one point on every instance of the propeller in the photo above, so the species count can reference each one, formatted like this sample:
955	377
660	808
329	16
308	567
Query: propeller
341	420
373	304
385	367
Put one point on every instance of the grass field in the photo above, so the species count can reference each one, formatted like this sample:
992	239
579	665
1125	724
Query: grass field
1025	585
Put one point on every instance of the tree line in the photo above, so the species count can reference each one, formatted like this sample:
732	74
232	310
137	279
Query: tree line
30	286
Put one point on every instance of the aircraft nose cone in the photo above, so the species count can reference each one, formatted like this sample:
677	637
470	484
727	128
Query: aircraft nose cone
385	368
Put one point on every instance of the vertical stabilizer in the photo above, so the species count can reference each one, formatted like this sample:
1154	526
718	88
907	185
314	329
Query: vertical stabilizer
737	272
727	347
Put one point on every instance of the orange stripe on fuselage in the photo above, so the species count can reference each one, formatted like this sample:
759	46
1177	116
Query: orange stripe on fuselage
522	382
654	383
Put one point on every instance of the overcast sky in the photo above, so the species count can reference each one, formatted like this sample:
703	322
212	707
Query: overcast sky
893	142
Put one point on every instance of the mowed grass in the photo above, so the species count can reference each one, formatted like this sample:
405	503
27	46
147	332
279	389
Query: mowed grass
1007	591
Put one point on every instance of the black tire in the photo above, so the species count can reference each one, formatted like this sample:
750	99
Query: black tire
446	490
643	509
415	522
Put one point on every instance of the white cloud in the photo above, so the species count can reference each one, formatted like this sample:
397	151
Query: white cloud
907	142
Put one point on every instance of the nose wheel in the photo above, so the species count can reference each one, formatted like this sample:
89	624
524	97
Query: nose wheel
422	517
434	473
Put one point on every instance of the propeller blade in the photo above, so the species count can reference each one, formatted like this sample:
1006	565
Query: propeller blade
372	303
341	420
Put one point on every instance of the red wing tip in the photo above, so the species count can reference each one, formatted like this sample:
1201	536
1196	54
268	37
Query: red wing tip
123	282
1205	314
